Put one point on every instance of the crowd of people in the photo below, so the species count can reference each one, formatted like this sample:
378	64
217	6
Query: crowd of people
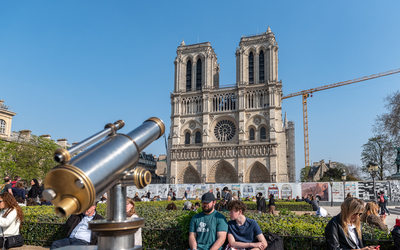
208	229
24	195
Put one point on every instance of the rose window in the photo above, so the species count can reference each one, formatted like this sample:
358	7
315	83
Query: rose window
224	130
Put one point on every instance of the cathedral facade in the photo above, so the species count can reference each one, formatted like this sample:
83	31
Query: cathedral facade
229	134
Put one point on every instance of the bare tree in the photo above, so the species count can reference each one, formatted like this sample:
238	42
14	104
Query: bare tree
389	123
378	150
352	170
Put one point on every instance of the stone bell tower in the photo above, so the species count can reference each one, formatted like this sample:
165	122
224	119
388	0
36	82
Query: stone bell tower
228	133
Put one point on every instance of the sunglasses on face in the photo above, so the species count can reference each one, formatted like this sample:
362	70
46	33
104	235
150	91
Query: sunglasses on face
359	214
1	201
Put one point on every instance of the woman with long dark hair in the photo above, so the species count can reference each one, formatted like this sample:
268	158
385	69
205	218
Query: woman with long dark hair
344	230
131	214
11	216
34	191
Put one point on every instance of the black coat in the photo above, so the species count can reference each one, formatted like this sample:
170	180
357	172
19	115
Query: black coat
271	201
261	205
336	239
396	237
74	220
33	192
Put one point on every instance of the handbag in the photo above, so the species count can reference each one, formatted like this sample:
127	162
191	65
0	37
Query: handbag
14	241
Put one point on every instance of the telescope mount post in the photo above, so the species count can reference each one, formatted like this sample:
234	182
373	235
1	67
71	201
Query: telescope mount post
116	232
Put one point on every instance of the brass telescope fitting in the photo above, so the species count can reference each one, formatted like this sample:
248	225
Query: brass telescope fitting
159	122
74	185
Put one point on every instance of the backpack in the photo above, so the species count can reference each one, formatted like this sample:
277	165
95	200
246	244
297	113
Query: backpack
381	199
274	241
385	198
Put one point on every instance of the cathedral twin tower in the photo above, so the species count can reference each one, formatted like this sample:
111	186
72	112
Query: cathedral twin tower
229	134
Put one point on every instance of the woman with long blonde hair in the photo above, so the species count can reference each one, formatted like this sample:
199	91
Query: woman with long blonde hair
371	217
344	230
131	214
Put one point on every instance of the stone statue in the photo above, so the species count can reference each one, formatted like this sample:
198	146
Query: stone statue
397	161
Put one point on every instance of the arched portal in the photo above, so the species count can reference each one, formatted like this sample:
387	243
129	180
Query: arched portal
257	173
189	175
222	172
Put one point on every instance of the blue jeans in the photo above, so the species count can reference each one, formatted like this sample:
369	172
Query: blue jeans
67	242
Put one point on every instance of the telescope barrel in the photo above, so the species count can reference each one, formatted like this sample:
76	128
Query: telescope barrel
74	186
64	155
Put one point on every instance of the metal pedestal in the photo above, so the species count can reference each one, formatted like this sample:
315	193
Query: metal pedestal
116	232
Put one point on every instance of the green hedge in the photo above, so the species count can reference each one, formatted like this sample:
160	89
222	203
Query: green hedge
169	229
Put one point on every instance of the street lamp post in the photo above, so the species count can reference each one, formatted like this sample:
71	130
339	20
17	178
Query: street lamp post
331	183
344	187
373	169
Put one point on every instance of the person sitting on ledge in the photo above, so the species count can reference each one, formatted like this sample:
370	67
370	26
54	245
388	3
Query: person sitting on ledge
78	232
344	230
243	233
371	217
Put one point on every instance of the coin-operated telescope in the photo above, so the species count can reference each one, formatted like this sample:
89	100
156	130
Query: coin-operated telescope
109	166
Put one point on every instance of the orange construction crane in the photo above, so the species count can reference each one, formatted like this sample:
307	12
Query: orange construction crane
306	94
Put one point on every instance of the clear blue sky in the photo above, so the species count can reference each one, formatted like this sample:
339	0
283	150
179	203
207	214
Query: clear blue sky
69	67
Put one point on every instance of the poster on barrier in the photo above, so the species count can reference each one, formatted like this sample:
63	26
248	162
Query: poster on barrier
260	188
286	192
337	191
394	191
162	190
235	188
365	189
316	189
247	190
351	188
153	190
273	189
180	190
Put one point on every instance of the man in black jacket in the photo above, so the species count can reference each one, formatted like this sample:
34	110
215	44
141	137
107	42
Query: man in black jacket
78	232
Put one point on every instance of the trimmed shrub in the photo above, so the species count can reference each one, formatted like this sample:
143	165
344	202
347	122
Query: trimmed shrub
170	229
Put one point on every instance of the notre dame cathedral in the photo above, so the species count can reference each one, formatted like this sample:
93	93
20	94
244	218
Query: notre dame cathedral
229	134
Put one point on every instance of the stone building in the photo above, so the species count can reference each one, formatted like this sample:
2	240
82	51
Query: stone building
229	134
318	169
6	117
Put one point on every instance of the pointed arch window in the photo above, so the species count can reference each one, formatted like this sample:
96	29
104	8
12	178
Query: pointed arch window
198	137
251	68
251	136
261	66
263	133
198	74
2	126
187	138
189	75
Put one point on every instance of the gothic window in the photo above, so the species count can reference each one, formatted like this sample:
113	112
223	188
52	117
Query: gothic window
198	137
263	134
224	130
261	66
251	68
189	76
198	75
187	138
251	135
2	127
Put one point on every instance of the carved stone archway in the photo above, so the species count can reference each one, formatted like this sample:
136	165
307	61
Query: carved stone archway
257	173
222	172
189	175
